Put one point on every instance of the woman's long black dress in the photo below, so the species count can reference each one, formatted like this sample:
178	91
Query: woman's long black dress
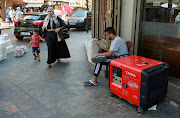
56	49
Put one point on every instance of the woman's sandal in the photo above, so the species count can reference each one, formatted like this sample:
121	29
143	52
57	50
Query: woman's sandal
58	60
48	66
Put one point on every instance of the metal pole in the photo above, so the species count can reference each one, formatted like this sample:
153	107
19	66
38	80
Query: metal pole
169	10
87	25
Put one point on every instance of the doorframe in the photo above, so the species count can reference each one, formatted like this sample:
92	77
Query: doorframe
138	13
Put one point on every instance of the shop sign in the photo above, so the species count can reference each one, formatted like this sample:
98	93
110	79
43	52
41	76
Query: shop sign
155	3
17	3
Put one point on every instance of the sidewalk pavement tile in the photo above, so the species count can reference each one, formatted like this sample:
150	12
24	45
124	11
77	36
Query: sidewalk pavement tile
35	92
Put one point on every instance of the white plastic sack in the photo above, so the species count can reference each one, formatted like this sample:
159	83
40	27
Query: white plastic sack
20	50
6	37
2	39
0	57
8	43
9	49
3	50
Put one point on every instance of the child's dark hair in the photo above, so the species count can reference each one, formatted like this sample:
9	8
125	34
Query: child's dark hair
110	30
36	30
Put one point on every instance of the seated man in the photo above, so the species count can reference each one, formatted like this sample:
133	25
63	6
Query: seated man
117	49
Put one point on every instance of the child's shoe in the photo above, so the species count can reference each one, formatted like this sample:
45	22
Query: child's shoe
35	57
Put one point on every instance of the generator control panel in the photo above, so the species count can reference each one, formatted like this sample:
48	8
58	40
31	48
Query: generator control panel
117	75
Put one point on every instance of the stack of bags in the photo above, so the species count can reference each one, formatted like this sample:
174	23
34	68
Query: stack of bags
20	50
5	46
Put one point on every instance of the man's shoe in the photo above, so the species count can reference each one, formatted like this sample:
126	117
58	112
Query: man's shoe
90	83
99	59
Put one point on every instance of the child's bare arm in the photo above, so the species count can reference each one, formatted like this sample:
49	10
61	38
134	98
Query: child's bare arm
30	44
43	39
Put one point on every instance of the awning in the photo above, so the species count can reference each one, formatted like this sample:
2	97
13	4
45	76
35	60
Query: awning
18	2
33	5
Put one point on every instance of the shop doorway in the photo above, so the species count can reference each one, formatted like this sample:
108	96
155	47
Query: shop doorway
159	35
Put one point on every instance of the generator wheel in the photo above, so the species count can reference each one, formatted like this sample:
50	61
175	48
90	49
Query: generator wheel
140	110
111	94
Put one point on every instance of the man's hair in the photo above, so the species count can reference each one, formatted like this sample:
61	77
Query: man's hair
110	30
36	30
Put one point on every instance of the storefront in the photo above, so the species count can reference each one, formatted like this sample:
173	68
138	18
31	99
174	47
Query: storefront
159	34
150	24
106	13
5	4
17	3
56	4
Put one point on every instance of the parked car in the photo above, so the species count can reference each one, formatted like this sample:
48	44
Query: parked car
79	19
25	25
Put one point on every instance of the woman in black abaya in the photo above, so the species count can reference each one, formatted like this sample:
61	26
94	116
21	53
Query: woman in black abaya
57	47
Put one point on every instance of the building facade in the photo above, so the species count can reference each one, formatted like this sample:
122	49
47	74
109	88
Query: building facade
57	4
150	24
35	4
5	4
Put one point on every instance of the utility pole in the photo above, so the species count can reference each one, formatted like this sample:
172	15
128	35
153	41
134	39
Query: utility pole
87	25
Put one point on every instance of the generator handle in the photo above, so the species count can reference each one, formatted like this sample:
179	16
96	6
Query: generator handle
144	62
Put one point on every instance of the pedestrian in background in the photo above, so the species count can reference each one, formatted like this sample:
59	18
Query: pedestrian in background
9	15
35	38
57	47
177	20
18	13
45	10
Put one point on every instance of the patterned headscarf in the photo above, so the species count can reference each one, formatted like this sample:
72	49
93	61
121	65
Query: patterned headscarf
48	18
51	9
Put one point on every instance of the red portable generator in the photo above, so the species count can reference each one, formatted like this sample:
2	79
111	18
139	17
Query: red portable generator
140	81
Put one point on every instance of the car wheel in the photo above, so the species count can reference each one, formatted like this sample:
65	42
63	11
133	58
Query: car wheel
19	37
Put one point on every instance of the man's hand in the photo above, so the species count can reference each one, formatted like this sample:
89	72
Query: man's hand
57	30
29	46
100	46
109	53
94	56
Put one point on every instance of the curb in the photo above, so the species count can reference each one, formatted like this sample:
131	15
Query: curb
173	102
